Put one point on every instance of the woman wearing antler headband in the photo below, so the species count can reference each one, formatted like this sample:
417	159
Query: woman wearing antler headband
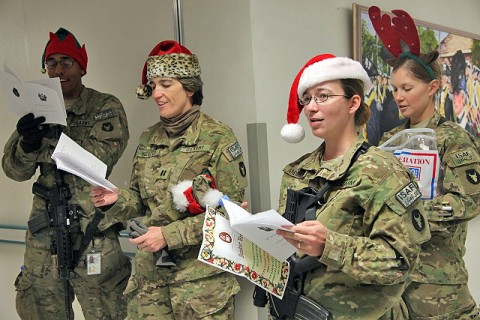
439	287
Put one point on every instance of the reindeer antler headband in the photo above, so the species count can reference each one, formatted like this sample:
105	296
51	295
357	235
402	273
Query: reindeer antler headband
399	35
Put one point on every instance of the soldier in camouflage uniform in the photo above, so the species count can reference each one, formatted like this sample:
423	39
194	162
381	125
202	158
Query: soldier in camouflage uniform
98	123
439	289
367	235
183	147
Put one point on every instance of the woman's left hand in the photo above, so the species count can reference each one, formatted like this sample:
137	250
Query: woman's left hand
309	237
151	241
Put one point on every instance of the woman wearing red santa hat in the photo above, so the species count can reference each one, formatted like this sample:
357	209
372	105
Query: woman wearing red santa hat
183	162
362	227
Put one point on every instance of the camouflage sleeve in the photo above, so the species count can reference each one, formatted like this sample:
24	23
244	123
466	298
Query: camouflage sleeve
128	206
109	135
17	164
228	169
461	184
394	226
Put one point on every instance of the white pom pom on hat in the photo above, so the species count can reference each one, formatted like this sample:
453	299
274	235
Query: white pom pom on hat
321	68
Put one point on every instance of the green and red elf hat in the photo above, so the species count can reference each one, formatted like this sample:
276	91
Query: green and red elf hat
64	42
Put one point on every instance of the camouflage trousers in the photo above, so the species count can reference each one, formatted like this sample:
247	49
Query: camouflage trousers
440	302
40	295
209	298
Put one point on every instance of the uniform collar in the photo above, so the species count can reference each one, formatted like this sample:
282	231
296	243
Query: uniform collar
189	138
80	105
432	124
335	169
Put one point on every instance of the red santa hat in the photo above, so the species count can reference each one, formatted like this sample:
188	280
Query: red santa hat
321	68
168	59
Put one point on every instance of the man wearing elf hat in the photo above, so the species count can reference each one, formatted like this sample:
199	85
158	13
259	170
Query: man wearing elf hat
97	122
183	163
365	222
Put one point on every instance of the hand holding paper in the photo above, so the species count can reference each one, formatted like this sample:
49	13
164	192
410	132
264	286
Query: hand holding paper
41	97
229	250
260	229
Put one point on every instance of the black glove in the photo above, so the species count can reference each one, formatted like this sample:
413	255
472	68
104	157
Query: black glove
32	131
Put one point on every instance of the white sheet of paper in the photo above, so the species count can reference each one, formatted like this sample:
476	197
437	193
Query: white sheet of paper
71	157
260	229
40	97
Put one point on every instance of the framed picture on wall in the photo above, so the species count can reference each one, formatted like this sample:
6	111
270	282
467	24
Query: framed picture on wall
459	96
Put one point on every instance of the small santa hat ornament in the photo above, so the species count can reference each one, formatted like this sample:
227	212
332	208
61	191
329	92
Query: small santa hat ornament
321	68
193	196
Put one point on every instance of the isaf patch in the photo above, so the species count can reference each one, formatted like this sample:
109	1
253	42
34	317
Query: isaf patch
418	220
408	195
472	176
235	150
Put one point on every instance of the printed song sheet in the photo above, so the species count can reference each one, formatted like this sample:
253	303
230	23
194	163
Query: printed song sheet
227	249
260	228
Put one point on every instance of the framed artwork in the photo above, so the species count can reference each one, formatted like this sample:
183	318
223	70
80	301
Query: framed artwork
457	100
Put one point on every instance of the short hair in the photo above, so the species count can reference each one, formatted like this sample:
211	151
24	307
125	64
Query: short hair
195	85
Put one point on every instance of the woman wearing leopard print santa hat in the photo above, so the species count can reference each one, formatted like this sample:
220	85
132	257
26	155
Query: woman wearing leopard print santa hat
184	162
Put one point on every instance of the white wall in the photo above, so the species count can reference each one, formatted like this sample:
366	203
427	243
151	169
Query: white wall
249	52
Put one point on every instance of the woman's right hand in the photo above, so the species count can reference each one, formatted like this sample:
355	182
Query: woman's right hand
103	197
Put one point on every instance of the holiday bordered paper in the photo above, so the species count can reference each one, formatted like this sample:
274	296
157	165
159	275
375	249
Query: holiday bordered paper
224	248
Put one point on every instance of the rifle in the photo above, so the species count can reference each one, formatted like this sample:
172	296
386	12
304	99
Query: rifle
301	205
61	216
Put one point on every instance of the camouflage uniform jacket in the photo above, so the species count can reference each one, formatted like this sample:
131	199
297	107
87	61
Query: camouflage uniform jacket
442	256
375	224
161	163
97	122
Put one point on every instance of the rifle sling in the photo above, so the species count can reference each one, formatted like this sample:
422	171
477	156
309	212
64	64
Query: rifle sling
89	234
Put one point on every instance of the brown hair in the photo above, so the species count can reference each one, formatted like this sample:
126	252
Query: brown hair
353	87
418	70
195	85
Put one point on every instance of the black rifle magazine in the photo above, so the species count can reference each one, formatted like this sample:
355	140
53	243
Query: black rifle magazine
308	309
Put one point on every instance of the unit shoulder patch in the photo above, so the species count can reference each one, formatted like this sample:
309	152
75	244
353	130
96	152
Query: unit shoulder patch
472	176
418	220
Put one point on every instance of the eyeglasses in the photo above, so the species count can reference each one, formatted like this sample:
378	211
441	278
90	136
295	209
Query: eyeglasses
66	64
319	98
